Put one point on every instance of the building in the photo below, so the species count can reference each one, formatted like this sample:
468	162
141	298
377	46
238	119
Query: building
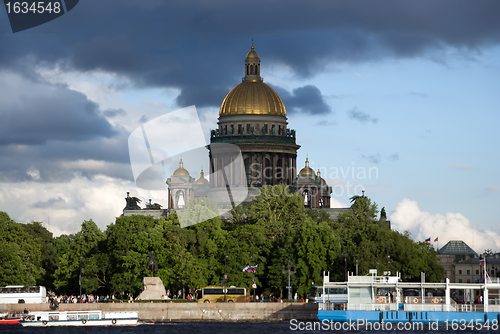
252	117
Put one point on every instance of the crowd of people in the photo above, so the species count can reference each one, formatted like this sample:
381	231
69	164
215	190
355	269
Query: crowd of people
84	298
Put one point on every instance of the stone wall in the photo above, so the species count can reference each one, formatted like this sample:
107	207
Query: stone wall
191	311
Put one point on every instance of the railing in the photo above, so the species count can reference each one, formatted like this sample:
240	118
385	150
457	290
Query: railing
424	300
243	138
408	307
492	308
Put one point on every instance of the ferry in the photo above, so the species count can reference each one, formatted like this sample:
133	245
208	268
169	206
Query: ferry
388	299
79	318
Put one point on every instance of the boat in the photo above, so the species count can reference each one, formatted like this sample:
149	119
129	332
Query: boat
387	299
79	318
11	318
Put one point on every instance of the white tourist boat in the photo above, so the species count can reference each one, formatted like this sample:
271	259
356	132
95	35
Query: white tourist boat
79	318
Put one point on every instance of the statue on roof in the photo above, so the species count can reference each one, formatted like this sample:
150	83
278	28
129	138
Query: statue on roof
383	215
132	203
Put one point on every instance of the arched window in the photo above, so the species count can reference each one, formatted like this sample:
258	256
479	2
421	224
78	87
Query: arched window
307	198
181	202
251	69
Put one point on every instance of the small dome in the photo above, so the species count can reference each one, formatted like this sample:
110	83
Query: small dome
323	182
252	54
201	180
181	170
307	170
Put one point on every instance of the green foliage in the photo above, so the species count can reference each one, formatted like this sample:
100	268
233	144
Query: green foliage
274	230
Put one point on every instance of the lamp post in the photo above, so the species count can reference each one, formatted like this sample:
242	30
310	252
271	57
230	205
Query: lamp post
225	275
29	281
289	271
80	276
253	279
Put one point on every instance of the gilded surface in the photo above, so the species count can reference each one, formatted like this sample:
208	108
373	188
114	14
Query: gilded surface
252	98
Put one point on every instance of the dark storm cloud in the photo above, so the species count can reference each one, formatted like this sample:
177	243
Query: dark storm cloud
356	114
52	113
306	100
61	161
199	46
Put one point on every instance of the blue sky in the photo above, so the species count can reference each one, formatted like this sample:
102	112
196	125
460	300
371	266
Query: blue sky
409	89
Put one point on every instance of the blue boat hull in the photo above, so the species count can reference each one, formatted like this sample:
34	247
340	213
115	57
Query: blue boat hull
408	316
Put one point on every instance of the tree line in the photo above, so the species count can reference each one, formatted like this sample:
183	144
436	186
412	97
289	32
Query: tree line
274	229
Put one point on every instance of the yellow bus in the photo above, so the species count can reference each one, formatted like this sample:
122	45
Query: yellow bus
215	294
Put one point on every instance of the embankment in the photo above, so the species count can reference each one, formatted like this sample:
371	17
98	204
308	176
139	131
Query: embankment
191	311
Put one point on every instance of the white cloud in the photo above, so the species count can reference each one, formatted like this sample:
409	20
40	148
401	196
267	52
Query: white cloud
450	226
335	203
100	199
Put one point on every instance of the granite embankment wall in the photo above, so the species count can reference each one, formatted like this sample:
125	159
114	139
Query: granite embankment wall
191	311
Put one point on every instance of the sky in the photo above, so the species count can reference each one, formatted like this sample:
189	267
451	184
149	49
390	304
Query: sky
397	98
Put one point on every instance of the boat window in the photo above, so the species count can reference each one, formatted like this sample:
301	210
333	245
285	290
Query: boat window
72	316
83	316
93	315
54	316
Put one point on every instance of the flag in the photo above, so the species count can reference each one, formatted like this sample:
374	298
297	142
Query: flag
249	269
481	262
435	240
428	240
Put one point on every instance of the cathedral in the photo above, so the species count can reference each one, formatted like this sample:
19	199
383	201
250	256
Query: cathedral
252	117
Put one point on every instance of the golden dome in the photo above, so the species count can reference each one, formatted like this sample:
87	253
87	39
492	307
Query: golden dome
255	98
307	170
322	179
181	170
252	54
201	180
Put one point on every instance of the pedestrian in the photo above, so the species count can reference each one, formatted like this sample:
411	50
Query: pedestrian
295	297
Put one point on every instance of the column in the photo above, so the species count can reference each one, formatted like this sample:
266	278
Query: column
283	176
211	170
274	168
230	177
243	175
288	170
263	169
252	172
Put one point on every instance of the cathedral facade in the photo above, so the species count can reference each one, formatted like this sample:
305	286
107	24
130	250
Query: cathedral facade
252	116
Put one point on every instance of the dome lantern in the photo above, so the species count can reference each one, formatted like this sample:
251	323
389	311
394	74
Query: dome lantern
252	66
252	96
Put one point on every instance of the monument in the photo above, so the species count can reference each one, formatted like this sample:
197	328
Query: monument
153	286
